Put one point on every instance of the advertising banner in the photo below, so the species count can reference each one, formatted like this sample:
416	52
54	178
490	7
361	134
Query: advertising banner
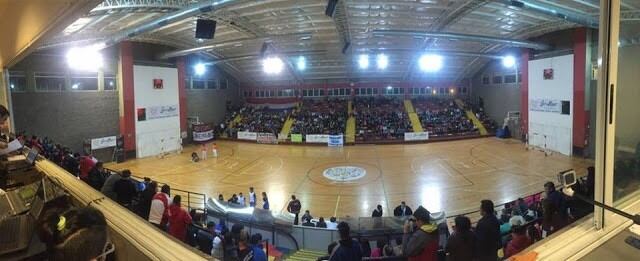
413	136
245	135
545	105
158	112
267	138
317	138
335	141
104	142
202	132
296	137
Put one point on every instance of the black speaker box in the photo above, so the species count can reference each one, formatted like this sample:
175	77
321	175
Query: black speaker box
205	29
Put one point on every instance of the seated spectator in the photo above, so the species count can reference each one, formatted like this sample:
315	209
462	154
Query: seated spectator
179	219
380	118
125	189
87	162
332	224
519	241
76	234
107	188
159	210
307	215
421	244
461	244
516	218
144	206
377	251
442	117
321	223
257	248
307	223
348	249
522	205
320	117
330	249
366	247
97	176
488	239
402	210
206	237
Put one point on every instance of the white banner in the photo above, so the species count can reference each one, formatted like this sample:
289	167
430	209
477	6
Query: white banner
412	136
165	111
335	141
203	136
104	142
245	135
545	105
317	138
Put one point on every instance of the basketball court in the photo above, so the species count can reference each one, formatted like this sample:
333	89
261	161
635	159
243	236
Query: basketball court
448	176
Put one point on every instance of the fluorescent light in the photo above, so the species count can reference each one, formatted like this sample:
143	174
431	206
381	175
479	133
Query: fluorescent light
430	62
200	68
508	61
85	58
272	65
302	63
74	86
383	61
363	61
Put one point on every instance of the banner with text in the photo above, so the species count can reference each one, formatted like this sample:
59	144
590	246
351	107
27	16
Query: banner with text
335	141
158	112
296	138
202	132
245	135
317	138
413	136
545	105
267	138
104	142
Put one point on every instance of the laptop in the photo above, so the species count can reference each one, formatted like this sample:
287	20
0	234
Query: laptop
17	231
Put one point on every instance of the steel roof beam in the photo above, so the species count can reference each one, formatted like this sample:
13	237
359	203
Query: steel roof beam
466	37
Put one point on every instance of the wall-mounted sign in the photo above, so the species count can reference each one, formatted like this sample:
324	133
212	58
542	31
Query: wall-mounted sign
157	84
547	74
142	114
545	105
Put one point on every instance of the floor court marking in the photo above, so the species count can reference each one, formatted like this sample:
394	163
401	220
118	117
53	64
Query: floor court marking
335	211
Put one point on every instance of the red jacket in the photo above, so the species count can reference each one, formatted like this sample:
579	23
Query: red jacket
516	245
422	245
179	219
86	164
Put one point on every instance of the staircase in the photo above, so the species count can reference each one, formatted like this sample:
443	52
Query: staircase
305	255
473	118
350	129
286	127
413	116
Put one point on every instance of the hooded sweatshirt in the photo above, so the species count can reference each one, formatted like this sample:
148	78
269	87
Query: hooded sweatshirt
422	244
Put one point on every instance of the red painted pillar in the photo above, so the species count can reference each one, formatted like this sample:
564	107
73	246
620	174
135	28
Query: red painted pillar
182	95
127	99
579	78
524	92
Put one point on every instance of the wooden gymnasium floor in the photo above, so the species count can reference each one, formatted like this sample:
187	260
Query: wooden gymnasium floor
450	176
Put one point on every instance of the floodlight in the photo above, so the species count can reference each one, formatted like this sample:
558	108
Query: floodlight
200	68
302	63
85	58
272	65
382	61
508	61
430	62
363	61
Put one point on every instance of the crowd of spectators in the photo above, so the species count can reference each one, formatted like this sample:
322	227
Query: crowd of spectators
255	119
320	117
380	118
440	116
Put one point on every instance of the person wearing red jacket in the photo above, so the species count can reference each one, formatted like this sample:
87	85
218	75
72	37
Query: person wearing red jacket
86	164
420	243
179	220
159	210
519	241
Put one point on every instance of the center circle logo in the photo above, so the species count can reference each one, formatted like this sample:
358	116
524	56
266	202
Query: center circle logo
344	173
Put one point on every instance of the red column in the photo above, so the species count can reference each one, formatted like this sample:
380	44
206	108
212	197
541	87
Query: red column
524	91
579	71
182	95
127	101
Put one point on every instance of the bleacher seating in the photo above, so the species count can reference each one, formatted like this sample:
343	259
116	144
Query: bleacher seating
442	117
380	118
257	120
321	117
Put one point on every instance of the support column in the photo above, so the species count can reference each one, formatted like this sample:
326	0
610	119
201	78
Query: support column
524	92
126	97
182	94
579	74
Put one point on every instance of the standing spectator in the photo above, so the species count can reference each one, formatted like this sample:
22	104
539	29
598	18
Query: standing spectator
252	197
321	223
125	189
107	188
217	250
377	212
552	219
487	233
307	215
97	176
519	241
86	164
294	207
159	211
179	219
402	210
144	206
71	162
221	198
348	249
265	201
366	247
556	198
245	252
461	244
332	224
241	199
206	237
421	244
256	247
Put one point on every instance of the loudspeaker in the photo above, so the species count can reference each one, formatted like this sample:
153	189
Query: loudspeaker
205	29
566	107
331	8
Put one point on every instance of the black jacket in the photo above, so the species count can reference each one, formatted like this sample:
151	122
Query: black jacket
488	238
125	190
398	211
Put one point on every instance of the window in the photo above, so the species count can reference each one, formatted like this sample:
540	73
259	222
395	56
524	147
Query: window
357	90
212	84
262	93
280	93
341	92
198	84
423	90
485	80
519	77
304	93
17	82
47	82
497	79
375	90
442	91
110	82
510	78
401	90
321	92
223	84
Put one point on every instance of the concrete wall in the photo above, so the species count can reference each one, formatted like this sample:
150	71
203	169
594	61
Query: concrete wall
498	98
